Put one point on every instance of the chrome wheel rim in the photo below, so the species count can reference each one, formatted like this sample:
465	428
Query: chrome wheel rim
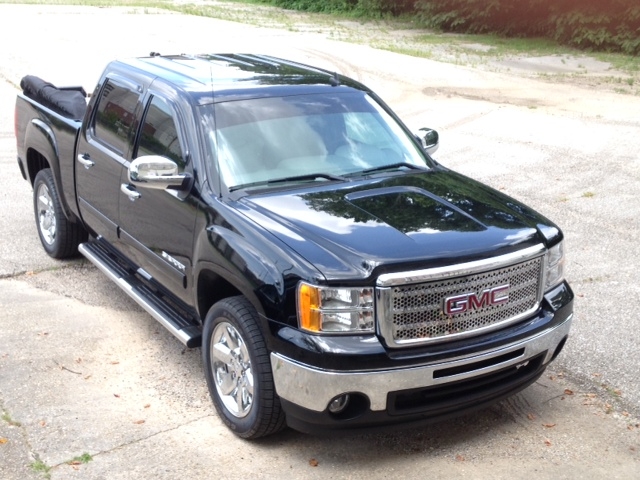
231	367
46	214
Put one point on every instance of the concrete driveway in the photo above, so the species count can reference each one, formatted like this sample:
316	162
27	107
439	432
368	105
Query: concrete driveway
91	387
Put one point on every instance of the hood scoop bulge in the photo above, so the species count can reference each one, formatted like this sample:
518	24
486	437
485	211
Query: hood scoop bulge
413	211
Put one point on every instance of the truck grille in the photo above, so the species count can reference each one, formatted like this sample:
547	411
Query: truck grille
415	313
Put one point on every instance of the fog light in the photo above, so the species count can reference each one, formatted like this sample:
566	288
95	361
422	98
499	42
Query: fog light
339	403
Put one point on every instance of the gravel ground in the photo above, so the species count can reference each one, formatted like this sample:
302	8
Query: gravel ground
83	370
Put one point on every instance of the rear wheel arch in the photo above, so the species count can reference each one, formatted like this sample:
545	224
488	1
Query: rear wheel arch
41	146
36	161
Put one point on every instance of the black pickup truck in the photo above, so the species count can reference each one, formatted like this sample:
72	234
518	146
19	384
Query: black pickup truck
283	218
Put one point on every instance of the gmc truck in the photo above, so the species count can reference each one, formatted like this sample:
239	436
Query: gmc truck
284	219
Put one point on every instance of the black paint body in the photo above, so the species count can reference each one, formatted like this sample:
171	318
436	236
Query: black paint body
260	243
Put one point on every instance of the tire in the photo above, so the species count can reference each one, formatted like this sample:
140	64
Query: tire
238	370
59	237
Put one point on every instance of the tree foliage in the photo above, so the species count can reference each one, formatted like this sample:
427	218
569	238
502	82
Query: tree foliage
366	8
612	25
588	24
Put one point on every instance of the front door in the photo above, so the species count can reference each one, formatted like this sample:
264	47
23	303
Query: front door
157	226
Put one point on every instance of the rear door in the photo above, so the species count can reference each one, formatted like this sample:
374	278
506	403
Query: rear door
157	226
102	151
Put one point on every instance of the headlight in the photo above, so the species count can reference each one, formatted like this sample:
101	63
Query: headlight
555	266
335	310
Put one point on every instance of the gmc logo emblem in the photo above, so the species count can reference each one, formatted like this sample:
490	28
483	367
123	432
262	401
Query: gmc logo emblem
472	301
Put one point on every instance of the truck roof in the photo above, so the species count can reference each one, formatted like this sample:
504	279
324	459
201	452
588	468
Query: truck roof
211	78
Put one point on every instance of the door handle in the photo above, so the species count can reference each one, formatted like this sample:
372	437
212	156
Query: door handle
85	160
130	191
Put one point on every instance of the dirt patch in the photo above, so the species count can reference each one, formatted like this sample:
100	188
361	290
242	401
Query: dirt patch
566	66
550	64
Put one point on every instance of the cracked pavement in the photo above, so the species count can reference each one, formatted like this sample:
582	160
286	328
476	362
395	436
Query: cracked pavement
84	371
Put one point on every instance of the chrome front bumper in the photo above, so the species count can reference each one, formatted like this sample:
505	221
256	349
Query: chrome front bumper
313	388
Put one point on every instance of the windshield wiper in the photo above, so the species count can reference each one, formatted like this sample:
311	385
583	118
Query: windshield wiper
295	178
393	166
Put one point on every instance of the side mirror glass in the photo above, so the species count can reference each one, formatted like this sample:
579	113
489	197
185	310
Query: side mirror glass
154	171
429	139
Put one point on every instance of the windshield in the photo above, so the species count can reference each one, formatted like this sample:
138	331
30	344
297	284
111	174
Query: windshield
263	140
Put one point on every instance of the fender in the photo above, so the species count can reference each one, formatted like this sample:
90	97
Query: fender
233	258
251	259
40	137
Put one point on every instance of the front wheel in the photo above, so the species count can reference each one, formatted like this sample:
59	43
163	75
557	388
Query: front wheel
59	237
238	370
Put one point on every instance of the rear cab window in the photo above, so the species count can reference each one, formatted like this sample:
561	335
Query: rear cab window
115	115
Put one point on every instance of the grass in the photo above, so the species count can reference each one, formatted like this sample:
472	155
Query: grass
493	45
40	467
84	458
94	3
400	35
516	46
7	418
626	63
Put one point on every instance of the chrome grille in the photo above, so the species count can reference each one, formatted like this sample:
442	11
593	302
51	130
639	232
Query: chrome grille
414	313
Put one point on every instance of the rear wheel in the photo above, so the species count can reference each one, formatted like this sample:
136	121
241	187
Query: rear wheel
238	370
59	237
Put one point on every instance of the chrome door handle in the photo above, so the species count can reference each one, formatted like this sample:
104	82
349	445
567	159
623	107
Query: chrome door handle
85	160
130	192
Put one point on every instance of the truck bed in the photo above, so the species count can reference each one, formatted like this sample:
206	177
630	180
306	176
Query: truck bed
69	102
51	137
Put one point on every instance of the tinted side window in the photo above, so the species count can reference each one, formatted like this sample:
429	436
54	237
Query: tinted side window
159	135
115	115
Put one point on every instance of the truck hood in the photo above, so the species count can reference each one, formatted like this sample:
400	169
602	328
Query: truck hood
357	230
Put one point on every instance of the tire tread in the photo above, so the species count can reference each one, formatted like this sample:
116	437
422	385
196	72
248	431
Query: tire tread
68	234
271	418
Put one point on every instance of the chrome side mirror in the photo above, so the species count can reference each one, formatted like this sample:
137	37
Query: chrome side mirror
429	139
154	171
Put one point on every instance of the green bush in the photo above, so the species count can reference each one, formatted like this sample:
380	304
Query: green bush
327	6
587	24
366	8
